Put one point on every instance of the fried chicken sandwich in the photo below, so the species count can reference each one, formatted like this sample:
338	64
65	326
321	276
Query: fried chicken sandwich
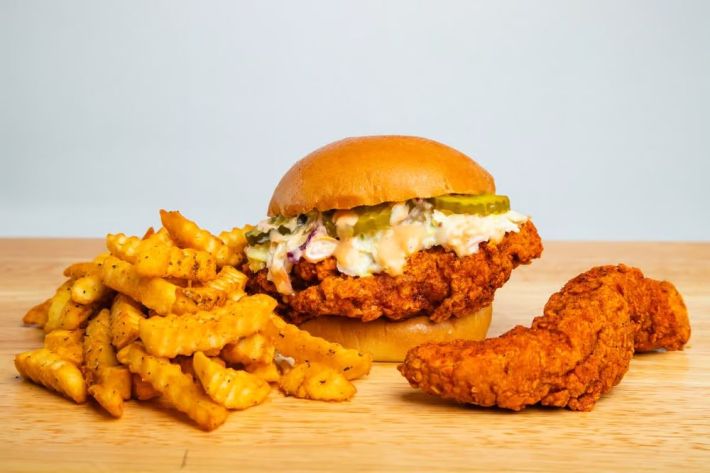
382	243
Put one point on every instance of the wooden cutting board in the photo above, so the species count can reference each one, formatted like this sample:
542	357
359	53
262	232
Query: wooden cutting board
658	418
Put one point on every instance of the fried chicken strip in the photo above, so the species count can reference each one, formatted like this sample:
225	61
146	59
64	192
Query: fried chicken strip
576	351
435	282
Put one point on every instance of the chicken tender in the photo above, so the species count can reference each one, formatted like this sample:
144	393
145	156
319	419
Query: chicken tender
575	352
435	282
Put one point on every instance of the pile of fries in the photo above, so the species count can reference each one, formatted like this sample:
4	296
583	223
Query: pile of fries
166	316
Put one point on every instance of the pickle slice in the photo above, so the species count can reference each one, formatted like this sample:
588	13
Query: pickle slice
484	204
371	219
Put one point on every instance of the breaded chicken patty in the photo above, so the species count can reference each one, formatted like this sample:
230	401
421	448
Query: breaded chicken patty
435	282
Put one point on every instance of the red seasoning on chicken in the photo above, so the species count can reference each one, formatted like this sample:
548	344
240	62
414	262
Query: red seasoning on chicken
576	351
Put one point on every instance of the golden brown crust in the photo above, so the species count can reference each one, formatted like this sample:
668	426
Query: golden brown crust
389	341
435	283
369	170
570	356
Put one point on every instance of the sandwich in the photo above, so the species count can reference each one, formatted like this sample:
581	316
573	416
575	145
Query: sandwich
382	243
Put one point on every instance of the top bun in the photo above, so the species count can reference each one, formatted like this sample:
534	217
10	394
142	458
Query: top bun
369	170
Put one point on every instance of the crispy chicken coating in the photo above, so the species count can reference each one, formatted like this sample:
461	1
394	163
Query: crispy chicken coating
575	352
435	282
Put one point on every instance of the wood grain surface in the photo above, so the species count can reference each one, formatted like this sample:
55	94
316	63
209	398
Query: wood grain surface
656	419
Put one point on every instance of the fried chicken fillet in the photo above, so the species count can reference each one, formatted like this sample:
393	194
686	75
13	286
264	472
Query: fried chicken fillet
575	352
435	282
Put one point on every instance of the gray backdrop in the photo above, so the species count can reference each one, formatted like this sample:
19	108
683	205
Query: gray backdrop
592	115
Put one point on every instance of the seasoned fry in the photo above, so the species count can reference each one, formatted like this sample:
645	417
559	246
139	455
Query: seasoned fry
157	259
304	347
108	383
254	349
50	370
125	320
317	382
64	313
235	239
177	388
184	335
268	371
154	293
38	314
229	281
123	246
89	289
79	270
231	388
187	234
68	344
142	390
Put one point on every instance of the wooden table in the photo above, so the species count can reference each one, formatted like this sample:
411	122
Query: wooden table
658	418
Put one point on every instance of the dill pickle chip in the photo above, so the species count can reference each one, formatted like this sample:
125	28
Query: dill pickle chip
371	219
484	204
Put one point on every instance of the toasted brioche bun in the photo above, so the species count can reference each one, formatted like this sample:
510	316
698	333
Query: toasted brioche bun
390	341
370	170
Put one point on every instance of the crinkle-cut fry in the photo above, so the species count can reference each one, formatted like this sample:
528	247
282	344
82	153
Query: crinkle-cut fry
236	240
125	320
88	268
184	335
48	369
269	372
157	259
231	388
304	347
254	349
68	344
113	388
38	314
193	299
230	281
187	234
123	246
109	383
143	390
63	313
154	293
89	289
177	388
317	382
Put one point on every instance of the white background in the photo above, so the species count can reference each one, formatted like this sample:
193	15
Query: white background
594	116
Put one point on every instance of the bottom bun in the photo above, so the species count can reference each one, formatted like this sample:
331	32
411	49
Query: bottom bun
390	341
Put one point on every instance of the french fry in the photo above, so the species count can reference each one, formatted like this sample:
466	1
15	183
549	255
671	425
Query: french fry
291	341
50	370
317	382
108	383
156	259
229	281
177	388
231	388
79	270
142	390
38	314
123	247
89	289
184	335
63	313
187	234
68	344
236	240
267	371
254	349
154	293
125	320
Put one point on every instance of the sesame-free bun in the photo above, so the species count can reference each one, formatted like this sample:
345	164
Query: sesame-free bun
369	170
389	341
